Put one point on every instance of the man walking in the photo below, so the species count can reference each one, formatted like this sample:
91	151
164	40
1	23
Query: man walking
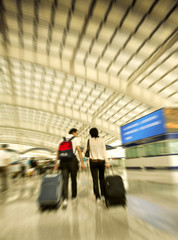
70	166
4	161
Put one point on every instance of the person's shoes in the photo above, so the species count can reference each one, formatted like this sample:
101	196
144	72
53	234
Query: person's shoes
102	199
65	203
98	201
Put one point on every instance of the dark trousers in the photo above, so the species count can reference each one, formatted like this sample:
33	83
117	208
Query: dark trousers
97	171
69	167
3	173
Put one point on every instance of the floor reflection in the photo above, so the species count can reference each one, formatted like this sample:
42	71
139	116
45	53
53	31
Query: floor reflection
143	219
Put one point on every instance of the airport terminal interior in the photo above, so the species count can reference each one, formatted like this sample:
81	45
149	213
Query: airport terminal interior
109	64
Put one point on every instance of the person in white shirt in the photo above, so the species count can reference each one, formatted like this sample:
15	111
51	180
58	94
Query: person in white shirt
4	161
98	160
71	167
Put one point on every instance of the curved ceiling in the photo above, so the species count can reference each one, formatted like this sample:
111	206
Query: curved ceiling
75	63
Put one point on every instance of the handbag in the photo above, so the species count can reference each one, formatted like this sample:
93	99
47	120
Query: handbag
87	154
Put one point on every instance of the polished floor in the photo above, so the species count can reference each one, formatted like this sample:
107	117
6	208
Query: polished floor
152	211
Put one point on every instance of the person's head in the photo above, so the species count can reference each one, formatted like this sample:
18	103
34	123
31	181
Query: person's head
94	132
4	146
74	132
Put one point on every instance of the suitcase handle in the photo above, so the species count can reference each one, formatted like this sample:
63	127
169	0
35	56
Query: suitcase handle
109	171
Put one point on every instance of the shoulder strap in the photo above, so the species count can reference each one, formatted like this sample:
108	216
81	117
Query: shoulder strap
65	139
88	144
71	138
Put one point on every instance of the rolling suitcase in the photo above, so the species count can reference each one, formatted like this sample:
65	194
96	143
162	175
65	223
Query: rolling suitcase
50	191
115	193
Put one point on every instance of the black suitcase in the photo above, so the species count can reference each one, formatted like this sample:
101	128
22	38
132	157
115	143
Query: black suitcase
115	193
50	191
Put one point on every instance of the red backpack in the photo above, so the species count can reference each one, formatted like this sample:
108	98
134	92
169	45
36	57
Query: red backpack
65	149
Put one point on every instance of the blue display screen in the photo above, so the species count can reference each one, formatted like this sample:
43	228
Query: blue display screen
151	125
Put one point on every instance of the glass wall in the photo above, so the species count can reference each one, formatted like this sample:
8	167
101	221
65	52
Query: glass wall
160	148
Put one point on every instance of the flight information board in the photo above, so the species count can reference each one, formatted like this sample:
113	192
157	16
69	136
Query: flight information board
171	118
150	125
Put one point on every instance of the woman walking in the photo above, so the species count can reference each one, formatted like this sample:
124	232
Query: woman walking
98	160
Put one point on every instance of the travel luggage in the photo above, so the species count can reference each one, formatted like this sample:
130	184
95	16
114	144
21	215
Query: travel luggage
115	193
50	191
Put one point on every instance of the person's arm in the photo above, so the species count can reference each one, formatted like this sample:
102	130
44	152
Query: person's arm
81	157
56	161
105	156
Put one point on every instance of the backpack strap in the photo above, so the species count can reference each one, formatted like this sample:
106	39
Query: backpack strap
65	139
71	138
88	145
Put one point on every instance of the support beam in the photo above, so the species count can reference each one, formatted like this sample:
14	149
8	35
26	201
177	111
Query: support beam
69	113
166	46
104	106
87	73
32	131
